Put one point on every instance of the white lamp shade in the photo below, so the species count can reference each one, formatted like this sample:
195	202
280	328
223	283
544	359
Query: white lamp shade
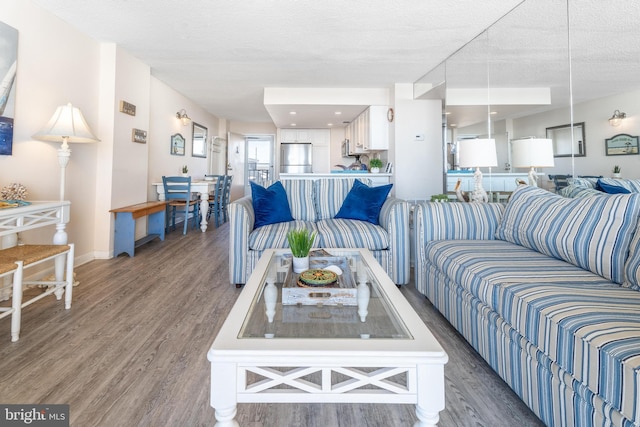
477	153
532	152
67	122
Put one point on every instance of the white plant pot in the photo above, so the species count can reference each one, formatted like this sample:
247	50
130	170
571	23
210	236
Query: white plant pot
185	175
300	264
375	170
617	175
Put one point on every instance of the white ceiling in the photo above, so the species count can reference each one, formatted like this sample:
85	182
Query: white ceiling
222	54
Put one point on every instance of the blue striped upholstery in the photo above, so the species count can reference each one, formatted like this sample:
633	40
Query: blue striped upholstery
566	340
574	191
590	232
300	196
632	264
552	393
346	233
330	193
583	182
274	236
388	242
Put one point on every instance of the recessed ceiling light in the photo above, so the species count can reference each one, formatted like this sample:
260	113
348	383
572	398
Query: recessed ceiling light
338	113
293	113
494	112
293	124
447	112
453	125
329	124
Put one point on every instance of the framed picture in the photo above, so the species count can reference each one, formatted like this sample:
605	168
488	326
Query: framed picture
621	144
199	141
177	145
8	67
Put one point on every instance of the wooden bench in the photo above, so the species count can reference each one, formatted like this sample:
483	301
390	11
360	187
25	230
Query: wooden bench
125	225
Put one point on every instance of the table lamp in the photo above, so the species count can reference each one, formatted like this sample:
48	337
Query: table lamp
532	153
477	153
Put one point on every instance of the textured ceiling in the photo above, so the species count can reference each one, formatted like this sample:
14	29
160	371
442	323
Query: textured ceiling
222	54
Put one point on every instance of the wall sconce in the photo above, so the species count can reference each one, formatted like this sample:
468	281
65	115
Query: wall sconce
182	115
617	117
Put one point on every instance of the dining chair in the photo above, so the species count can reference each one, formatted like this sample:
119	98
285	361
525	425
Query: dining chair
215	200
228	179
177	191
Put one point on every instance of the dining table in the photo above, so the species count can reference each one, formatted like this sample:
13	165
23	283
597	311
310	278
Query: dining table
202	187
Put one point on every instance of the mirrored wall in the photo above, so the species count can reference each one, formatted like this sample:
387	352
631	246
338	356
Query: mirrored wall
523	76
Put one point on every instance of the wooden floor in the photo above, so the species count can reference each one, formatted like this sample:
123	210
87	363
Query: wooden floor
132	350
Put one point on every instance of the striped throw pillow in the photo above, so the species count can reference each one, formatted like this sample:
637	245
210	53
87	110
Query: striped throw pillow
593	233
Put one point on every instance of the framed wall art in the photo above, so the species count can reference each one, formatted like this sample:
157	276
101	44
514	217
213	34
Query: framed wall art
8	67
621	144
177	145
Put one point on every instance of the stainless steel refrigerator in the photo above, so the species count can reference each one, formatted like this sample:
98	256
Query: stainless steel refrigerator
296	158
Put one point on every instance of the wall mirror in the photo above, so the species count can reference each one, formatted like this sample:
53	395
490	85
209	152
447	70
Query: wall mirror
562	137
199	142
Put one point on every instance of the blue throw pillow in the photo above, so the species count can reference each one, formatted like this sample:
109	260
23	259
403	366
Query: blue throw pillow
270	205
611	189
364	203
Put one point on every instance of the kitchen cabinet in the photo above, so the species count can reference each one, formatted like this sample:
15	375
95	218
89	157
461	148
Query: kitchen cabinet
295	135
369	131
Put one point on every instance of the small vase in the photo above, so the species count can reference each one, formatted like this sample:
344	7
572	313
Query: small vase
375	170
300	264
617	175
185	175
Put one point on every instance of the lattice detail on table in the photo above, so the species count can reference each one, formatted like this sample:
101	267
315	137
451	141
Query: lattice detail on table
28	220
329	380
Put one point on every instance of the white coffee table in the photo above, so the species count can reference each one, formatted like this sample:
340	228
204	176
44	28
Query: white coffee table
325	353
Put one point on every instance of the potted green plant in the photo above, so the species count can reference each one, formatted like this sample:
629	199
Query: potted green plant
616	172
375	165
300	241
185	170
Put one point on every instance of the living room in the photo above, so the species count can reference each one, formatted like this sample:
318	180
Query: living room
96	76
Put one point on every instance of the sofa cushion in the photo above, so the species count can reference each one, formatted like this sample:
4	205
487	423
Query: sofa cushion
591	331
274	236
345	233
300	196
270	205
329	195
593	233
363	203
610	188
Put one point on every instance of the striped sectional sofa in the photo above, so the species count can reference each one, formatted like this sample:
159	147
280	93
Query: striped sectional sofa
547	290
314	203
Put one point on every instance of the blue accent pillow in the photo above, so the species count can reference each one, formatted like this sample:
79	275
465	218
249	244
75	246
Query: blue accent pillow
270	205
364	203
611	189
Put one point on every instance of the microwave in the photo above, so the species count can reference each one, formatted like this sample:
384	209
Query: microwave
345	148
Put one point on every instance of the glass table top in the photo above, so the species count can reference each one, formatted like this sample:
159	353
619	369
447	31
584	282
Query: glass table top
355	306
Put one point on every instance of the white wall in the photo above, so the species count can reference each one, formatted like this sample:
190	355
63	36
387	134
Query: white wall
56	65
595	114
165	103
418	165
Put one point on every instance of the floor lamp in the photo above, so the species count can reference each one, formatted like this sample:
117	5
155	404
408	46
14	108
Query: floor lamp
532	153
66	125
477	153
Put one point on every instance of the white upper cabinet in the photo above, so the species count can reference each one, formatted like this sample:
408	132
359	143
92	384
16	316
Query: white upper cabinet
369	131
295	135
